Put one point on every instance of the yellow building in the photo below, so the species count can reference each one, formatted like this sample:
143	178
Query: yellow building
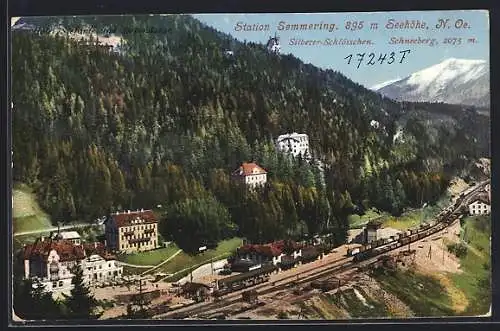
132	231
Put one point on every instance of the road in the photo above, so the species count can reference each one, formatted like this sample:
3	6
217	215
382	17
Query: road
65	227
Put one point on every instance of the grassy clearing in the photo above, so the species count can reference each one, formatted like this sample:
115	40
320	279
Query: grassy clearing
415	217
476	265
183	260
153	257
356	221
424	294
26	213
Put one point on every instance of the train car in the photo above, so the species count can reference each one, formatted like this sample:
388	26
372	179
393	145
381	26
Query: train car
309	254
404	241
353	251
257	275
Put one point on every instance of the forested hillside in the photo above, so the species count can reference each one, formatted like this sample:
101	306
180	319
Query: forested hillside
166	122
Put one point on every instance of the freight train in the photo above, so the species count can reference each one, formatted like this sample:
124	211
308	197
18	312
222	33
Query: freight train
260	274
381	246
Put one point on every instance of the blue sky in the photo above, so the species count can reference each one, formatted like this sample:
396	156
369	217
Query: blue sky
420	56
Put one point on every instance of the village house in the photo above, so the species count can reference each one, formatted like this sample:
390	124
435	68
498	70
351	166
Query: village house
52	262
480	206
131	231
269	253
72	236
100	265
250	174
293	143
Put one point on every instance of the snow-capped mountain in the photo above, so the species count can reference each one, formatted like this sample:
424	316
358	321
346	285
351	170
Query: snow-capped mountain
384	84
455	81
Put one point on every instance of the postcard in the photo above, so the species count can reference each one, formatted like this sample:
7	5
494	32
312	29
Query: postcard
307	166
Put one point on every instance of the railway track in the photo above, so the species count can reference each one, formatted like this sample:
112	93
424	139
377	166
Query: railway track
306	276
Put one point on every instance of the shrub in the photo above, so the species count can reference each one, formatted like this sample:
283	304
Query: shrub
460	250
283	315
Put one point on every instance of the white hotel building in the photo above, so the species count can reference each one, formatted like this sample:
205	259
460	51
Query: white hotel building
294	143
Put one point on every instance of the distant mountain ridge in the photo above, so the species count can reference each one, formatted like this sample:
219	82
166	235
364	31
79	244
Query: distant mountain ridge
454	81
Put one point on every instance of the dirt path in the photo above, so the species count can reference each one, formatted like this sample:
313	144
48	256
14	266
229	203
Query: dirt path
66	227
162	263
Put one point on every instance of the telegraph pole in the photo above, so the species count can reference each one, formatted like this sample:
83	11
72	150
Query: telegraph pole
443	250
212	264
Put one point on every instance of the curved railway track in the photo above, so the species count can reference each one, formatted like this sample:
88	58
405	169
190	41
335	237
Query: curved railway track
338	266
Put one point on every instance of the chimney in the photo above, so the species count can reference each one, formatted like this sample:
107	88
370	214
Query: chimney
142	209
95	244
128	211
42	238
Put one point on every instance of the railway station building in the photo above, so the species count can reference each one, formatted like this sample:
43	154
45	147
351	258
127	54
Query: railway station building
269	253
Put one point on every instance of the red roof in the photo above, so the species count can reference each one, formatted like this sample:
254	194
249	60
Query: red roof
99	249
126	218
273	249
247	169
66	250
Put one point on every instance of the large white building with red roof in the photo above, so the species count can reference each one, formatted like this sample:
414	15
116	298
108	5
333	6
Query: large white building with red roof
51	260
131	231
251	174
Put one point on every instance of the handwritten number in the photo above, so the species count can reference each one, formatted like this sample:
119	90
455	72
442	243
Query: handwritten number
381	58
371	56
361	57
391	57
404	54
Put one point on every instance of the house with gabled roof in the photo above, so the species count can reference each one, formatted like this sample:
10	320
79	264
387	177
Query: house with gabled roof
481	205
251	174
131	231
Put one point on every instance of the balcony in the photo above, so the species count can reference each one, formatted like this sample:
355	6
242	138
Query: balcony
148	231
128	233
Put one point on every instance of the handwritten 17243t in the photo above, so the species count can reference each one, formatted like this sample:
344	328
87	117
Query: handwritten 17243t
372	59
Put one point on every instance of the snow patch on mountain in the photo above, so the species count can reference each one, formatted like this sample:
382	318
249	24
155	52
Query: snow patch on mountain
384	84
455	81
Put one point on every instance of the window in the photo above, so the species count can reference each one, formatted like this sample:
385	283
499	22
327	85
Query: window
109	265
60	283
54	284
